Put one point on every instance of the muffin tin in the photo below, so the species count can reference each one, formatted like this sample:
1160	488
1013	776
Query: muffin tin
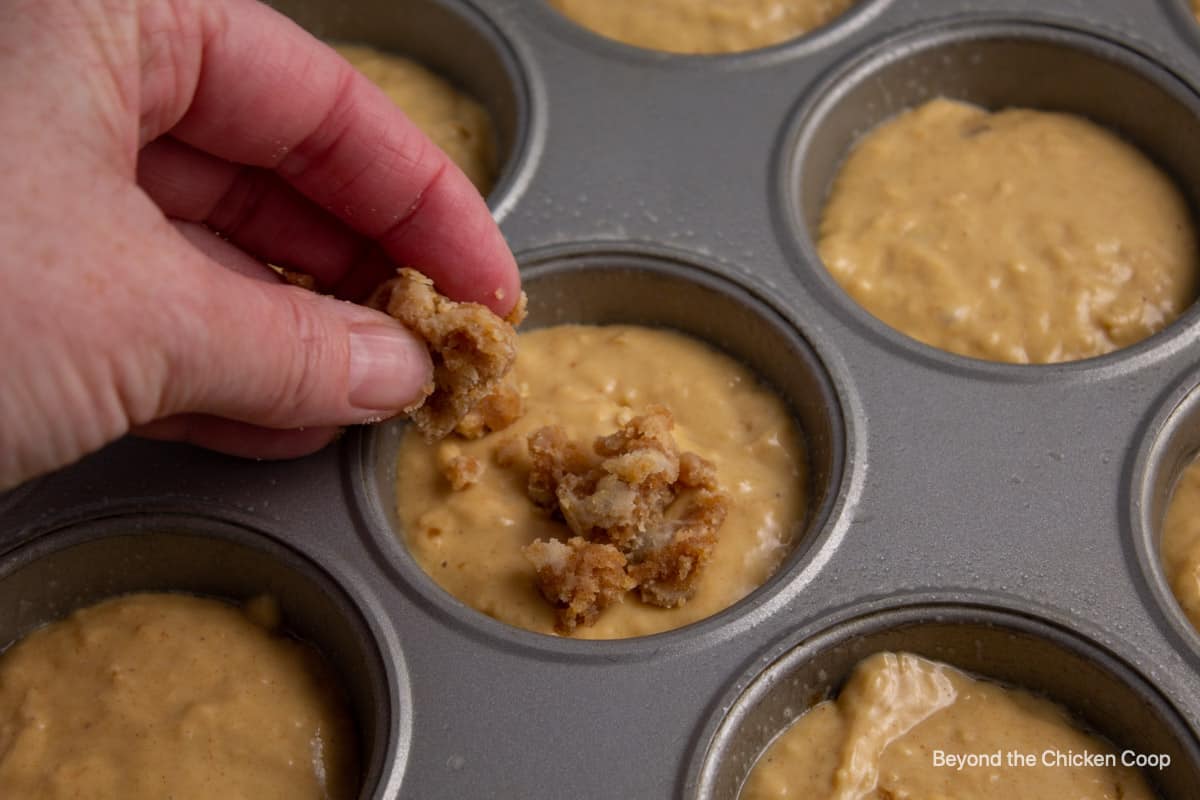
1002	518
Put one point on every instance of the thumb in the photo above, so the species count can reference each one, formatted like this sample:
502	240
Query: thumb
279	356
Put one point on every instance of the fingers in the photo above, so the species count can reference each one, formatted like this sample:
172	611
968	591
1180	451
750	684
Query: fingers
237	438
251	87
223	252
278	356
254	208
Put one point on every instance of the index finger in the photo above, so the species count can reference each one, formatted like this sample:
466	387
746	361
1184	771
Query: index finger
238	80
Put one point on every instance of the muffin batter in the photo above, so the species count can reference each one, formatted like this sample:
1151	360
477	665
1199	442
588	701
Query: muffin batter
1181	542
880	740
455	122
1018	236
701	26
589	380
163	695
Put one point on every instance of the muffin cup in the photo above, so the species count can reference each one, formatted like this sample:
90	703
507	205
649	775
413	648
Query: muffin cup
634	285
455	41
995	65
1105	695
1171	443
850	20
88	561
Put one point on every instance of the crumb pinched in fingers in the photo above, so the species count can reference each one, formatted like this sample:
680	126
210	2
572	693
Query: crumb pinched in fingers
516	314
472	348
493	413
297	278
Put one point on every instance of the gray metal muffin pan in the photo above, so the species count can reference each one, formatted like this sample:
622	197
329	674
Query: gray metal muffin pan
1002	518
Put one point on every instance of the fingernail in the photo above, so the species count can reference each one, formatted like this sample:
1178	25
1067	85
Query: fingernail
389	368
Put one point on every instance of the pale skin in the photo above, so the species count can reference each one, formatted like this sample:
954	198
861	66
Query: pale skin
159	154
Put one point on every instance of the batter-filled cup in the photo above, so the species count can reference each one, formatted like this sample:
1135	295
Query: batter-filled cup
903	724
1181	542
157	692
743	392
702	26
215	600
1018	235
444	64
1058	698
1164	498
455	122
967	186
488	542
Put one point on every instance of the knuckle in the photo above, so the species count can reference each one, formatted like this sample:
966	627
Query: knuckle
306	386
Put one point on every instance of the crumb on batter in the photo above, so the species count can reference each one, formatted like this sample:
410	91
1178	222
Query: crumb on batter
579	577
666	575
459	470
621	497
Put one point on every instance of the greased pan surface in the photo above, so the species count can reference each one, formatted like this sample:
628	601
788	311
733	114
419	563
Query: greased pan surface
1003	518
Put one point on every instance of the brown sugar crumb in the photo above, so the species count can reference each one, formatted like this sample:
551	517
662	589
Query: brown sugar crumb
297	278
666	574
697	473
619	496
580	578
472	348
552	456
517	315
459	470
495	412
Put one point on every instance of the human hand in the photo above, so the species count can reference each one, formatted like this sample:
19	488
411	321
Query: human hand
135	130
